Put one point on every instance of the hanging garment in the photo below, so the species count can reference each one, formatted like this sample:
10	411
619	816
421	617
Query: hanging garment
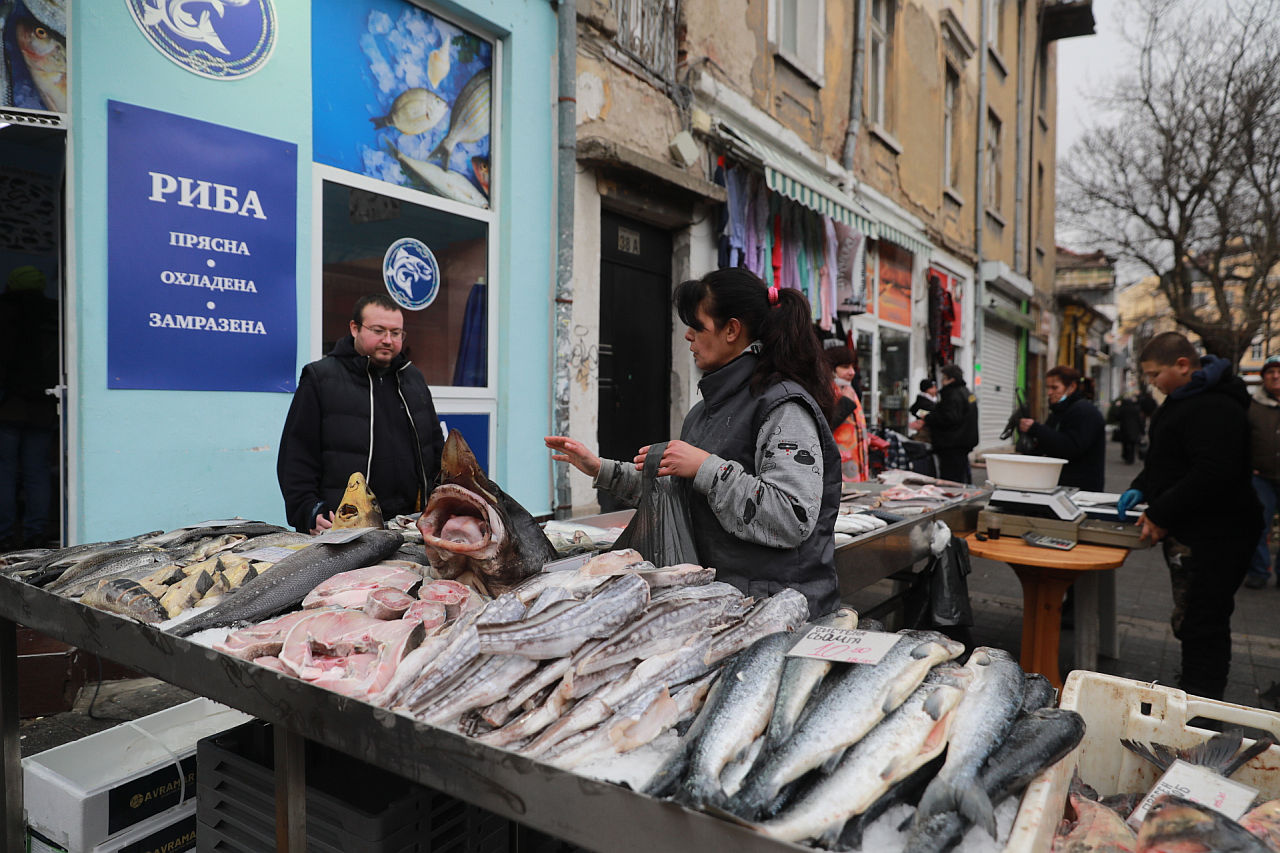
830	247
722	217
472	367
851	288
739	201
775	256
751	225
764	232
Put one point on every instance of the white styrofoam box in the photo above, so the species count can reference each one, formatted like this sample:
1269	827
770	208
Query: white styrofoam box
1115	708
81	793
172	831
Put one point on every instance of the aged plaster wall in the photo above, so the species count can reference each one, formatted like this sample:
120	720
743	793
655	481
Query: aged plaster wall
727	35
620	107
919	116
584	389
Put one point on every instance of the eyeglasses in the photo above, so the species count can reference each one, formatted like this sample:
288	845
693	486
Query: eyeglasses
378	332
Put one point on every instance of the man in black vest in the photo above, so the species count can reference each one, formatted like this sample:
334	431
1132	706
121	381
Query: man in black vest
363	407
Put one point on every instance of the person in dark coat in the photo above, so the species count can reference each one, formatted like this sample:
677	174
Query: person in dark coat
1074	431
1126	414
363	407
1197	484
953	426
756	454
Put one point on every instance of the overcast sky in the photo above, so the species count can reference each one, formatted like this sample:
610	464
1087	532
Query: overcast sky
1087	64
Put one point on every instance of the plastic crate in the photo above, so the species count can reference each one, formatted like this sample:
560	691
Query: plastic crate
351	806
1115	708
84	792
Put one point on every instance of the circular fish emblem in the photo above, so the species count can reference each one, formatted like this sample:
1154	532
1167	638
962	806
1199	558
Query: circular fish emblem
411	273
218	39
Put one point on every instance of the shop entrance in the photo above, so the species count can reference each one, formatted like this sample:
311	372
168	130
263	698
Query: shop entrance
32	444
635	331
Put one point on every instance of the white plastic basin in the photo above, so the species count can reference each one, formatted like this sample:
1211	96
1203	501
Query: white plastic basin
1015	471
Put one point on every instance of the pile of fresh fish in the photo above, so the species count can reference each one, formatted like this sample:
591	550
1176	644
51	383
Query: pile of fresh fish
156	576
806	750
1172	824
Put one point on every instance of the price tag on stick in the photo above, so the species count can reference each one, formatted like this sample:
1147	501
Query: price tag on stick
839	644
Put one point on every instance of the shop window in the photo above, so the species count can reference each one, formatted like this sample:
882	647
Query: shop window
880	61
448	338
800	35
894	378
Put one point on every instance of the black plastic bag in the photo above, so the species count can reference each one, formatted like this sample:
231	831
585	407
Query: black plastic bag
660	529
939	597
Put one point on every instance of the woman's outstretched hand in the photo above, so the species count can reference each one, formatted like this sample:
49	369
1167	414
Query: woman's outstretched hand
575	453
680	459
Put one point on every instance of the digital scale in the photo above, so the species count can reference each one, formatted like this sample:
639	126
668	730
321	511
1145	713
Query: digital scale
1052	512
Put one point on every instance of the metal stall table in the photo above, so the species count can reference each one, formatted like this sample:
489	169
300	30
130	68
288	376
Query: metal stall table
583	811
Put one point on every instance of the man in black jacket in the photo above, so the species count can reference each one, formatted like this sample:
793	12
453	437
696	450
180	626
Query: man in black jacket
363	407
953	426
1196	482
1074	431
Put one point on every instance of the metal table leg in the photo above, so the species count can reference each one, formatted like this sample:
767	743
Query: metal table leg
14	816
291	790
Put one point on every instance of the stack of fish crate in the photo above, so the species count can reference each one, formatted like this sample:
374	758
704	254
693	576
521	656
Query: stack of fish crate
127	788
351	806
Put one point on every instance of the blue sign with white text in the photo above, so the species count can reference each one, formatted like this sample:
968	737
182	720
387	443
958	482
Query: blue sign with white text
202	243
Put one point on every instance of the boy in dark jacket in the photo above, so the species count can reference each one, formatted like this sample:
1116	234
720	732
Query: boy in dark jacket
1074	431
1196	482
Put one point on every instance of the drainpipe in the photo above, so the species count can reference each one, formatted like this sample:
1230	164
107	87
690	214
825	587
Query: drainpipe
855	95
566	165
980	200
1021	260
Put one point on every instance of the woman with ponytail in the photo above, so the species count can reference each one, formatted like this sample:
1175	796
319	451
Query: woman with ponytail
757	449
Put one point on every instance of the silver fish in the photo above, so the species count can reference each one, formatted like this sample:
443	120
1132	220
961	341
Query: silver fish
413	111
799	678
410	669
531	722
983	720
847	708
283	539
564	626
291	579
469	118
440	181
907	739
114	566
636	722
493	678
661	628
784	611
502	610
684	574
549	596
461	652
738	716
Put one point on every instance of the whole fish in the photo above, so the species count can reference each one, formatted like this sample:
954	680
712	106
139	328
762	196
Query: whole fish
442	182
284	539
1264	822
549	596
636	722
492	679
738	716
662	627
531	722
1037	693
564	626
1096	829
495	536
453	661
915	733
1036	742
906	791
291	579
413	111
143	559
855	701
185	535
783	611
126	597
799	678
990	705
45	55
1175	825
469	118
359	506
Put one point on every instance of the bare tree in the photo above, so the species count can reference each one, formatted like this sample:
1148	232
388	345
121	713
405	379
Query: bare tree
1185	181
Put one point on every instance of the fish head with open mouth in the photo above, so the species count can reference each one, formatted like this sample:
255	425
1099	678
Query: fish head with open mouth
359	507
471	524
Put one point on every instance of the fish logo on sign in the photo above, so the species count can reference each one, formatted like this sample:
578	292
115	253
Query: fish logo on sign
218	39
411	273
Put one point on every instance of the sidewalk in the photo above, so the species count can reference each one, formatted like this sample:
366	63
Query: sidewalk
1148	649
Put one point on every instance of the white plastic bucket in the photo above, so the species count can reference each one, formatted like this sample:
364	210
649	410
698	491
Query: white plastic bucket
1015	471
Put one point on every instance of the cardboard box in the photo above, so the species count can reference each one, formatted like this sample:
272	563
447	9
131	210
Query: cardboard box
82	793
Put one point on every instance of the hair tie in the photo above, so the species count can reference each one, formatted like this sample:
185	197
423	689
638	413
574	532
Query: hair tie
773	296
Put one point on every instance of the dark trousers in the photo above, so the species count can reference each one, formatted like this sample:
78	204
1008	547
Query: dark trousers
1205	577
1127	451
953	464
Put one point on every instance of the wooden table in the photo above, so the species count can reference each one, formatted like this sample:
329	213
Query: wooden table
1046	574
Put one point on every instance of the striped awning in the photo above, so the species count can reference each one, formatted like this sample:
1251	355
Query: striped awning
813	193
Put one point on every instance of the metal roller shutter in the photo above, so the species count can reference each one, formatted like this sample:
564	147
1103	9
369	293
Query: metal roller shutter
999	379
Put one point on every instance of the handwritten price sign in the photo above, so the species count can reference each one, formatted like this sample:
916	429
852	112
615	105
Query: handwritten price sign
1200	785
838	644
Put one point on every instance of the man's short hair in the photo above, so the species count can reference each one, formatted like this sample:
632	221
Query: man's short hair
1066	374
952	371
1167	347
926	384
379	299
